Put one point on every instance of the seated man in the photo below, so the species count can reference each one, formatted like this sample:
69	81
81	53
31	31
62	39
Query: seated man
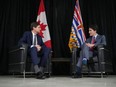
87	50
36	49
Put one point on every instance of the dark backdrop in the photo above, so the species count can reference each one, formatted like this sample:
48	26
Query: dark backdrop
16	16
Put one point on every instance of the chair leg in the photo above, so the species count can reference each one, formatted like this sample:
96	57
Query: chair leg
24	74
101	74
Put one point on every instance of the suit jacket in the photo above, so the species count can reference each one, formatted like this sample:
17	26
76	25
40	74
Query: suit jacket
27	39
100	39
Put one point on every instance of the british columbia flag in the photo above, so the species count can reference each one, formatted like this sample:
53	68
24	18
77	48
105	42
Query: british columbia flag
77	36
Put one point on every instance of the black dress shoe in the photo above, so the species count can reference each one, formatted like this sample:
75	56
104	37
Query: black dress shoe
78	75
40	75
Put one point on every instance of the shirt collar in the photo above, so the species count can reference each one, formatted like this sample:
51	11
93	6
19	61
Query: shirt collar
96	36
33	33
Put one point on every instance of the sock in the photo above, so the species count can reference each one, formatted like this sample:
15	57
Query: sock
41	69
84	61
36	68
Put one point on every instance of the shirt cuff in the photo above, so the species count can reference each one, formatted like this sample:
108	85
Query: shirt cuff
32	46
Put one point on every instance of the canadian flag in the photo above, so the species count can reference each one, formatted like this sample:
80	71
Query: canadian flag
41	19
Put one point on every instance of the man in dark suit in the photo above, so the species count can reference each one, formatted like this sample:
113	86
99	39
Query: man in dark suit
87	49
36	49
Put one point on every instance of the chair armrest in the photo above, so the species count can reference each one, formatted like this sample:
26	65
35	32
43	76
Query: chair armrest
25	46
17	48
17	58
100	46
76	49
14	49
18	54
103	53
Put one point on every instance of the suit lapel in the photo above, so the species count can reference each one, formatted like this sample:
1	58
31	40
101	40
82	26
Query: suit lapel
97	38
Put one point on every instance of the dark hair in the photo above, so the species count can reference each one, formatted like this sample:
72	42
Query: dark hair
34	24
94	27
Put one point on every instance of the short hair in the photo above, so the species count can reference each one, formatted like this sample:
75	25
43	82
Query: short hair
34	24
94	27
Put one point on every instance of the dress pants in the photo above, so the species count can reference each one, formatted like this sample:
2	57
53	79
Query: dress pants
84	53
39	59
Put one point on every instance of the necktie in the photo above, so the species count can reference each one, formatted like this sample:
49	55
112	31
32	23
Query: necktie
93	40
34	42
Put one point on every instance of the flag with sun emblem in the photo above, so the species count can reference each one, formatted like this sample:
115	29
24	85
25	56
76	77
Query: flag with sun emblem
77	36
42	20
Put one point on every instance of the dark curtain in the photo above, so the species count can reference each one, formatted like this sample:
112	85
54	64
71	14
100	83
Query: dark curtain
16	16
62	20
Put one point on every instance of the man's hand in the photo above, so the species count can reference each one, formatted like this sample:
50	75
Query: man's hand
90	45
38	47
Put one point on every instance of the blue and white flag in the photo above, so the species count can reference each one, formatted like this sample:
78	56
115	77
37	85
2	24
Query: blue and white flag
77	36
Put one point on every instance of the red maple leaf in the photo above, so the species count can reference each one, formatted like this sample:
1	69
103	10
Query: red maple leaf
42	29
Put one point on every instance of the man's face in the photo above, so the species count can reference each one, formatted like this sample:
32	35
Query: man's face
37	29
92	32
